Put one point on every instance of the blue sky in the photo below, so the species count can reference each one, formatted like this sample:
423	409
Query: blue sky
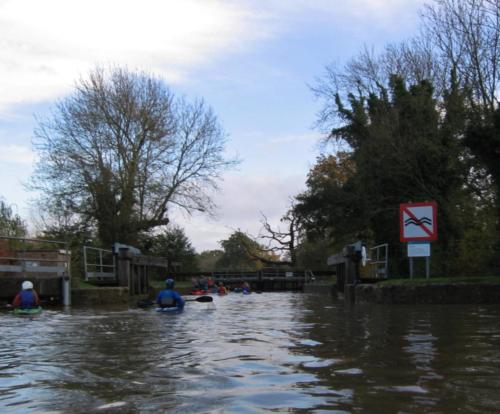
252	61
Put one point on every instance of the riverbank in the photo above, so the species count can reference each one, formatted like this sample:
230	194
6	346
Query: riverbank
461	293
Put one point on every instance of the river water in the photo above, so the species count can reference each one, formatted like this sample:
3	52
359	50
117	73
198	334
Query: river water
259	353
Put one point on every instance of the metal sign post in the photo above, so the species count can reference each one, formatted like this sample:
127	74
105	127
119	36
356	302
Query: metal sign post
419	249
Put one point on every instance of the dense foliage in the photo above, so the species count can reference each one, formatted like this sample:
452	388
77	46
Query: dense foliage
173	244
240	252
11	224
418	122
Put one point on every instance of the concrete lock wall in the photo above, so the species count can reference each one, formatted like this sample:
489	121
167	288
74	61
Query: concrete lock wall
456	293
46	286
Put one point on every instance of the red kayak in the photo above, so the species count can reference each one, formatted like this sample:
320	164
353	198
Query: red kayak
198	292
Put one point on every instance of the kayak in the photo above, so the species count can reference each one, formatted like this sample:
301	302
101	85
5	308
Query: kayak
169	310
198	292
30	311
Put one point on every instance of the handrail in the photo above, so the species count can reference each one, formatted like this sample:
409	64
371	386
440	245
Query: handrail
32	259
32	240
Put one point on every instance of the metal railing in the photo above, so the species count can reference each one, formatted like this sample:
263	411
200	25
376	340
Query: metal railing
379	261
99	264
29	260
24	259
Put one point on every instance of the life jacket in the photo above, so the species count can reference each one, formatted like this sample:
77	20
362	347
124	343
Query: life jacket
167	299
28	299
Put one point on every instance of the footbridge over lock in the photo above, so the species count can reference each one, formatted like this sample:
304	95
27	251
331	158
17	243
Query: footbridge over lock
266	279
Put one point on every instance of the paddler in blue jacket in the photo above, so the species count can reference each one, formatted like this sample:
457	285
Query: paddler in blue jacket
169	298
27	298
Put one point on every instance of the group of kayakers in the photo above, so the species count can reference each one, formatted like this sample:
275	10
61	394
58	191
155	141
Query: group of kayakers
169	298
204	284
28	298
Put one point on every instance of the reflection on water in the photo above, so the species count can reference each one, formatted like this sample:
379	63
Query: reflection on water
271	352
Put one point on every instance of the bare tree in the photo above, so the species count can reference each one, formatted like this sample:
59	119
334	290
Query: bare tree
122	149
467	35
282	242
369	73
278	242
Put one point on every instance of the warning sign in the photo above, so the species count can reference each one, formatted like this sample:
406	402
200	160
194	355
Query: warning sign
418	221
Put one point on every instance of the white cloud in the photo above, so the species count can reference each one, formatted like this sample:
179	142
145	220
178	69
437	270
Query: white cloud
47	44
241	202
17	154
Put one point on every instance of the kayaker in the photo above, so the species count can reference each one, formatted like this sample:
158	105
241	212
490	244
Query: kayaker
169	298
203	283
210	284
27	298
194	283
245	287
221	290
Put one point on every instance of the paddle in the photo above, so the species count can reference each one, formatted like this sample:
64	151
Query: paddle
203	299
146	303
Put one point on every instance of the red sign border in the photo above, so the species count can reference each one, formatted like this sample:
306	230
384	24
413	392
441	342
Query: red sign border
403	207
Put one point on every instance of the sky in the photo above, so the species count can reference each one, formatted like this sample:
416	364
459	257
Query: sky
252	61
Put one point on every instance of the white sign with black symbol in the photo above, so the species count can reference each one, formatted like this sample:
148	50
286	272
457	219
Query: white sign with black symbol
418	222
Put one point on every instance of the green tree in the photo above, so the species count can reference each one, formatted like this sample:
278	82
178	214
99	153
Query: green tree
11	224
403	150
240	252
121	150
330	207
207	260
313	254
457	51
173	244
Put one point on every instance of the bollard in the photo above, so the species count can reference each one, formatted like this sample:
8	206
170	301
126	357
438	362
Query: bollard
66	290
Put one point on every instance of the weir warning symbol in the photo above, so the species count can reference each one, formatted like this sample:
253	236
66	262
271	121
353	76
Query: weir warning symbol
418	221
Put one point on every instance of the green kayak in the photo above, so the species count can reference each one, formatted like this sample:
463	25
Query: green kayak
30	311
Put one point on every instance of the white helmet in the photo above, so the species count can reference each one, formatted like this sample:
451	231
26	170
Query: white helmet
27	285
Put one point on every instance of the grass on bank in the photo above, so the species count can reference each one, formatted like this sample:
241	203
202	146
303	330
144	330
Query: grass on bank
441	280
78	283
